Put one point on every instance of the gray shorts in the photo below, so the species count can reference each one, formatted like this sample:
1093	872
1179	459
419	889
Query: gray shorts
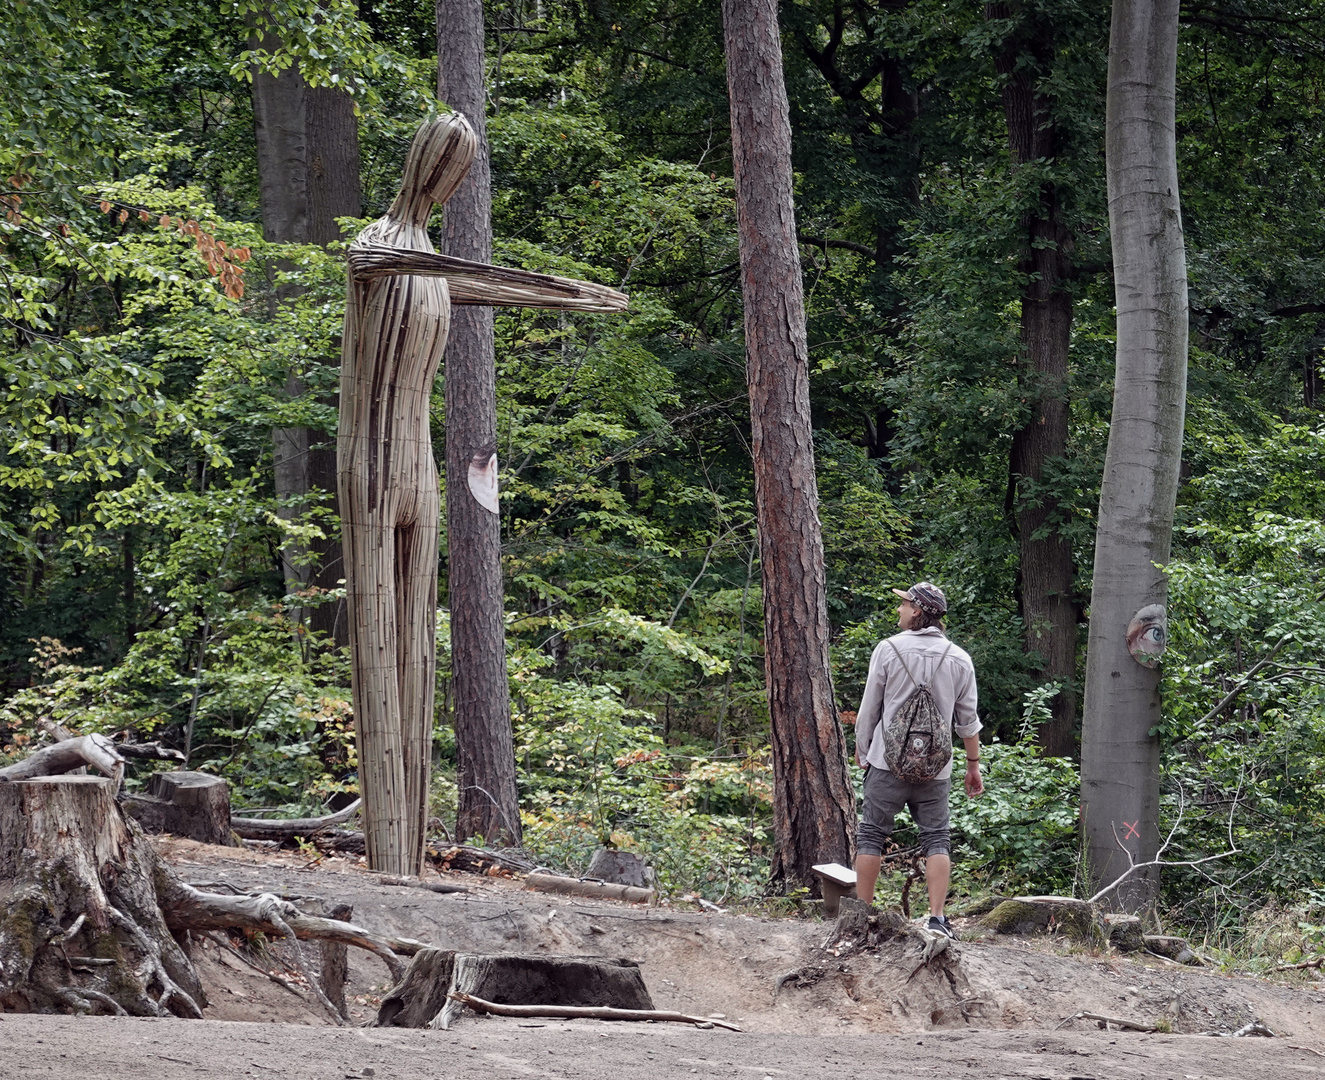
885	795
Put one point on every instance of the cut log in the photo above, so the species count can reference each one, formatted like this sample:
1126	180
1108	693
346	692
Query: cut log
77	879
575	887
194	805
289	828
618	868
423	998
421	994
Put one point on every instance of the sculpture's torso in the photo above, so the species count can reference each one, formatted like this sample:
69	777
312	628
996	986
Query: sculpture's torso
395	334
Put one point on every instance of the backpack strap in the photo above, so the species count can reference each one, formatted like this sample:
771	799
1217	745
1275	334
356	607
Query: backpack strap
918	686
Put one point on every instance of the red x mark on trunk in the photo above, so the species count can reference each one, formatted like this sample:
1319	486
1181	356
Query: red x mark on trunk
1132	829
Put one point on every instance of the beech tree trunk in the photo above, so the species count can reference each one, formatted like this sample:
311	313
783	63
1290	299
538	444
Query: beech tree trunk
1119	756
813	800
488	800
308	174
1047	568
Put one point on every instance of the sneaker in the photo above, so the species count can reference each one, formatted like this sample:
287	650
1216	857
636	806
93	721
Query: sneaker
939	924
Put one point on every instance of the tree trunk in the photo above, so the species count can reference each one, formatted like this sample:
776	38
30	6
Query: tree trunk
334	191
1047	568
488	800
308	173
1119	756
813	801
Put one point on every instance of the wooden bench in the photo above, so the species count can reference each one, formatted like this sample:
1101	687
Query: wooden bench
835	882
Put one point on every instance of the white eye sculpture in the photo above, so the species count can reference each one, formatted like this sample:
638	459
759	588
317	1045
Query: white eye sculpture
1148	635
483	482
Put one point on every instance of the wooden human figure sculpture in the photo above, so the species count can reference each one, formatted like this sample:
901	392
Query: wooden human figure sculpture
397	315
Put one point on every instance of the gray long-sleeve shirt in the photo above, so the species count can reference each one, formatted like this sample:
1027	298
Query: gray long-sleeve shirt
951	684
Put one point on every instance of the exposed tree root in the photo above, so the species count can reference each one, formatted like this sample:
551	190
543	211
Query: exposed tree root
91	917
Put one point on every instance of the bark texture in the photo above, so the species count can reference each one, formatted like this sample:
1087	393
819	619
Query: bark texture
91	918
308	174
1047	568
488	800
81	927
813	801
184	803
1119	756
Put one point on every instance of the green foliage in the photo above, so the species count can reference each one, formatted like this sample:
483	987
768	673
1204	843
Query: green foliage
1021	834
593	773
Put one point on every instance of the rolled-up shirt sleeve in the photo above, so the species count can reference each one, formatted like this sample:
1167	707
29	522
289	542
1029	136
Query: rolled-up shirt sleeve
965	718
871	704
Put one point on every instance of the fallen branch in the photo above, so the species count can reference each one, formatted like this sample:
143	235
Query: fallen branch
64	757
149	751
220	943
1131	1025
418	883
1159	860
588	1012
602	890
1314	962
289	828
1308	1049
1254	1028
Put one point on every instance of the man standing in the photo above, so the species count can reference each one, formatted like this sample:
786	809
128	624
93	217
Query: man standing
921	656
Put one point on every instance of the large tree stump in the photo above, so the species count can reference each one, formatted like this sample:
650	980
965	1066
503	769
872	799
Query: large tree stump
190	804
90	914
1045	914
421	998
81	928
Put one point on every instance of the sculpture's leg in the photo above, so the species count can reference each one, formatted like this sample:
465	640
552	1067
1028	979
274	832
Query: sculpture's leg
416	615
370	579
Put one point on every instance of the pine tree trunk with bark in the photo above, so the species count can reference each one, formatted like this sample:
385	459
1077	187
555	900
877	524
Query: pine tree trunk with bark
1119	756
488	800
1047	568
813	800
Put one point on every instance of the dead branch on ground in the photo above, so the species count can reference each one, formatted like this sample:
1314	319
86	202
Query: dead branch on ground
588	1012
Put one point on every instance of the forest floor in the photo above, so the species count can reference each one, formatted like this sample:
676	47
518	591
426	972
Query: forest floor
807	1007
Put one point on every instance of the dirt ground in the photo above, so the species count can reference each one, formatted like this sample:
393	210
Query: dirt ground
807	1004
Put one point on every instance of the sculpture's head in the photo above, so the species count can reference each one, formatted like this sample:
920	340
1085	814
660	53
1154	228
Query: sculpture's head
439	159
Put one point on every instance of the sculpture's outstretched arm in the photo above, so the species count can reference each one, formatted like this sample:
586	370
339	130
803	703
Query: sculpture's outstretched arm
483	284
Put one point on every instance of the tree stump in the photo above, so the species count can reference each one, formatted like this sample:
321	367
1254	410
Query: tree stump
421	999
618	868
1124	932
189	804
1044	914
81	928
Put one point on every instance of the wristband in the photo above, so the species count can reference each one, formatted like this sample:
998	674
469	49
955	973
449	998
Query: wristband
972	761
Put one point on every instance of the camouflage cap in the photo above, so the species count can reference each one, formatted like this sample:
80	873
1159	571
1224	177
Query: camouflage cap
927	596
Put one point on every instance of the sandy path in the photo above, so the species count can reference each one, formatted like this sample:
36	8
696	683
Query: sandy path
127	1049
